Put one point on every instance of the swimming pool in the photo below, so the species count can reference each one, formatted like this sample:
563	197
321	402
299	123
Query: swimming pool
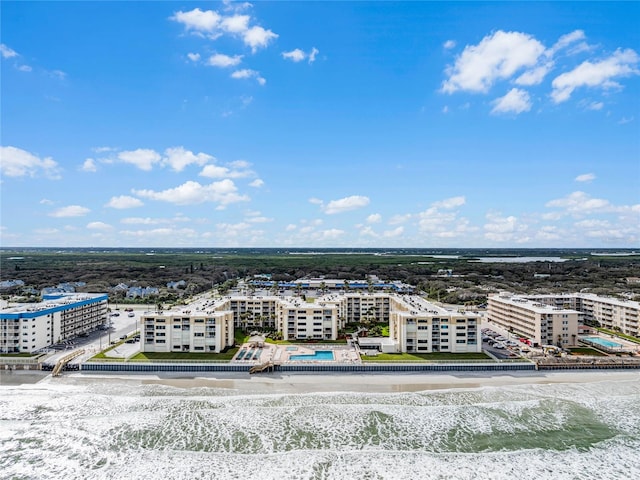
323	355
602	342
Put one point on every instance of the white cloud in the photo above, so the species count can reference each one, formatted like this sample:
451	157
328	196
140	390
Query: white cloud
213	25
7	52
258	37
178	158
24	68
257	183
449	203
124	201
248	73
89	165
596	106
580	203
142	158
535	75
374	218
399	218
621	63
58	74
224	61
625	120
290	228
46	201
103	149
566	40
99	226
223	192
297	55
198	20
172	233
449	44
217	171
345	204
15	162
154	221
497	56
236	23
585	177
312	55
332	234
214	171
253	218
504	229
396	232
194	57
515	101
441	219
70	211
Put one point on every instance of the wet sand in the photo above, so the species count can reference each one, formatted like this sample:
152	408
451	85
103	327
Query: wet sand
373	383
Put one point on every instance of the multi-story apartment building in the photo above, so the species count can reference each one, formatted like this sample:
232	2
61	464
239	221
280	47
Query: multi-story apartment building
32	326
415	325
419	326
253	311
542	323
187	330
608	312
300	320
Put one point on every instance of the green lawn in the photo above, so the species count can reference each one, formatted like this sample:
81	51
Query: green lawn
618	334
21	354
142	357
586	351
424	357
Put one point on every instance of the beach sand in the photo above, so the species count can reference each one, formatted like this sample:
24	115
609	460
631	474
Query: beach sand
374	383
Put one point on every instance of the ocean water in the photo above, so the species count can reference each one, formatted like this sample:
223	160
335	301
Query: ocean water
103	429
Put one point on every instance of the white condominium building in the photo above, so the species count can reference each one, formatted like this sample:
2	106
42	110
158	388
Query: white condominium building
299	320
542	323
187	330
32	326
418	326
415	325
608	312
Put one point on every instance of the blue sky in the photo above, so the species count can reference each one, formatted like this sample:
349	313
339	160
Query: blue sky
320	124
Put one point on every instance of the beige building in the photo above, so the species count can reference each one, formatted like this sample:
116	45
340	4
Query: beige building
187	330
608	312
542	323
299	320
415	325
419	326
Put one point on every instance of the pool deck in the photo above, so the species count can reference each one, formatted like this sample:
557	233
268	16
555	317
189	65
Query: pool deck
621	345
280	354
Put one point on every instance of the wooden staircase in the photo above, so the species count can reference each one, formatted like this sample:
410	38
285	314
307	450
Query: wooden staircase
268	366
57	370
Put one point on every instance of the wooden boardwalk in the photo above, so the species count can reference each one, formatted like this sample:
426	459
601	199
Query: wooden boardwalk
57	370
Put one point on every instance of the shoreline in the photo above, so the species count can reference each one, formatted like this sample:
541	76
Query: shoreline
297	383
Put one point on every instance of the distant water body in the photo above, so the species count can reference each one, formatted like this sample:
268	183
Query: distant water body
518	259
127	430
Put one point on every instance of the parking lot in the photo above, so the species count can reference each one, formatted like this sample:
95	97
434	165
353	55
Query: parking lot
500	346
